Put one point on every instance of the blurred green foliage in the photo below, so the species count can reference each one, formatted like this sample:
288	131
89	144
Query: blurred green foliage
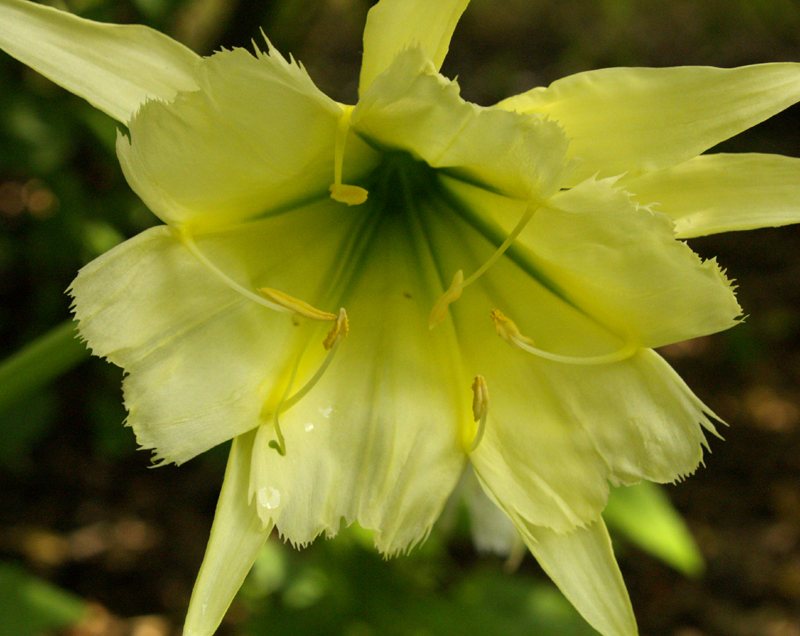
343	586
30	606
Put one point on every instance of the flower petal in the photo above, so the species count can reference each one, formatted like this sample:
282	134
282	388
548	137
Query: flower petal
237	536
615	262
376	440
634	120
583	565
411	107
557	433
395	25
201	358
723	192
623	265
257	137
114	67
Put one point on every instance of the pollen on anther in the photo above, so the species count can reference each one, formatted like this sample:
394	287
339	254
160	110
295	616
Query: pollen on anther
480	397
480	409
295	305
338	331
507	329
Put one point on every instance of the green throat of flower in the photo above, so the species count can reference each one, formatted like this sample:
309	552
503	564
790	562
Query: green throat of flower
400	189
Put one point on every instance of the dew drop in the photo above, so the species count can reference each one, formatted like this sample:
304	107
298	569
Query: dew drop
270	498
309	427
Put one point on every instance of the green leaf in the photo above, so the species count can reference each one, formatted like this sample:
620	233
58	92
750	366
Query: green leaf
645	515
29	605
39	362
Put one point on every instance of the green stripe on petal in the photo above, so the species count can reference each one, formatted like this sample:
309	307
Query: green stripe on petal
617	266
724	192
583	565
395	25
257	137
557	433
237	536
622	264
376	440
635	120
114	67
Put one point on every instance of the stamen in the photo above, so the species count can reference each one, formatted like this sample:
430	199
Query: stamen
335	336
280	444
480	408
188	241
342	192
509	332
272	298
454	292
296	305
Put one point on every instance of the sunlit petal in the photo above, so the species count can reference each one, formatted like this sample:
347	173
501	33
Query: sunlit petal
114	67
201	358
724	192
237	536
583	566
257	137
395	25
614	262
635	120
548	451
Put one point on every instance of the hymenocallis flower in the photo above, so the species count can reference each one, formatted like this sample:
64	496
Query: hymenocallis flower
507	272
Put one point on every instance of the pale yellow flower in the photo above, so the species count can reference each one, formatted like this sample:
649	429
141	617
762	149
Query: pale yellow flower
556	214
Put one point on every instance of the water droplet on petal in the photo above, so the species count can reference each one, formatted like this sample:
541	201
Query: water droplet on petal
309	427
269	498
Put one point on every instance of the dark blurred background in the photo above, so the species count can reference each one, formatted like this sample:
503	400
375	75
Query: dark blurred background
93	542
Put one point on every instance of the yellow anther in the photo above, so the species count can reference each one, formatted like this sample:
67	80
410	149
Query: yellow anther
295	305
507	330
349	194
480	398
480	408
453	293
338	332
342	192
